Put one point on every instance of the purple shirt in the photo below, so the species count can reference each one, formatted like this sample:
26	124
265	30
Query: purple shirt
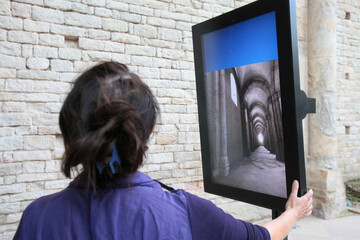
134	208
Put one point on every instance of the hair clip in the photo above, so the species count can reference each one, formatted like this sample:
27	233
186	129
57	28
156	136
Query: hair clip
114	159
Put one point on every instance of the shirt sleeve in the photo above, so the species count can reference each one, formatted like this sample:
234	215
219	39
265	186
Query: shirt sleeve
207	221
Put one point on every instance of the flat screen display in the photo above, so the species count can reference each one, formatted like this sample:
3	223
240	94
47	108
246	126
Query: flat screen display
247	85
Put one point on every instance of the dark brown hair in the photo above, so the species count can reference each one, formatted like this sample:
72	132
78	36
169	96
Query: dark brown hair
108	106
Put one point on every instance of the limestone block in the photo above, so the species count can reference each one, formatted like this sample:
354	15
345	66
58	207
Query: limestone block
169	118
7	22
170	34
39	142
172	54
26	130
23	37
128	17
82	8
46	119
21	10
39	97
13	85
37	74
145	31
8	208
6	131
103	12
20	156
99	3
190	164
117	5
125	38
37	63
178	173
160	174
3	35
322	74
13	107
58	4
14	119
52	40
52	107
142	61
49	130
27	50
68	31
34	167
140	50
166	138
68	77
192	137
61	66
114	25
36	26
147	72
188	118
81	20
5	7
9	180
9	48
326	114
169	74
13	218
7	73
138	9
150	167
160	22
47	15
174	148
91	44
172	15
175	108
192	109
322	30
53	166
10	169
45	52
183	65
177	93
96	56
114	47
186	156
80	66
160	158
99	34
70	53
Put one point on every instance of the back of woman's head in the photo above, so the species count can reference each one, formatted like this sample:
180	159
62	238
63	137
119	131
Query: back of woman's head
108	107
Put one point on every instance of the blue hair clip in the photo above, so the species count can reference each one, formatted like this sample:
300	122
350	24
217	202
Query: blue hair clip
114	159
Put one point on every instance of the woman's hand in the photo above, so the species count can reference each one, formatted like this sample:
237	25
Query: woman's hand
301	206
296	209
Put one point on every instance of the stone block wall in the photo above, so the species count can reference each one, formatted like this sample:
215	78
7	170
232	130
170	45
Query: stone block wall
348	85
45	44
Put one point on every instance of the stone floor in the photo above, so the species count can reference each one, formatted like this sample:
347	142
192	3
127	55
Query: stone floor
260	172
335	229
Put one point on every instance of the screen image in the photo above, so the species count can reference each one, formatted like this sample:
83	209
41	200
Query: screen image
243	106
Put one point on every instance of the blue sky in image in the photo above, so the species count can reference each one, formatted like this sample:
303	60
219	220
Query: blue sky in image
244	43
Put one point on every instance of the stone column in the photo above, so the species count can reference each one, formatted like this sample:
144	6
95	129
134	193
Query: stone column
224	161
324	175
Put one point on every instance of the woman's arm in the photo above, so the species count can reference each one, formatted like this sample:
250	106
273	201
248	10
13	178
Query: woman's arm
296	208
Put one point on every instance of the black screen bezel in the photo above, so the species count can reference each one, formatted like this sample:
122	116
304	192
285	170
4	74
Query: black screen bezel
285	11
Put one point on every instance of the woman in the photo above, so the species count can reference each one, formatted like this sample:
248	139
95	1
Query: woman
106	122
